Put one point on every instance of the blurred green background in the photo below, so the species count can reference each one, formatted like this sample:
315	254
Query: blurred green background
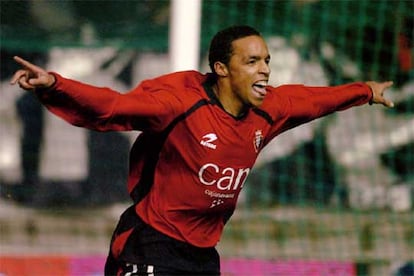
340	188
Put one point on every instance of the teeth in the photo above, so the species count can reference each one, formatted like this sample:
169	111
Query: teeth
261	84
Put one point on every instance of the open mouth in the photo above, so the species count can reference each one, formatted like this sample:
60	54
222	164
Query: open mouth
260	88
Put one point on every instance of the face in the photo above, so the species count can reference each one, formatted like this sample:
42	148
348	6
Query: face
248	72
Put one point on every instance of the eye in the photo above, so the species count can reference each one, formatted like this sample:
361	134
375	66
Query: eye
252	61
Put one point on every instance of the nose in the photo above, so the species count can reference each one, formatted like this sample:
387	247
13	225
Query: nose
265	68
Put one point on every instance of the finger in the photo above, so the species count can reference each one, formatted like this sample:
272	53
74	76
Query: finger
388	103
22	78
24	84
36	82
27	64
387	84
18	75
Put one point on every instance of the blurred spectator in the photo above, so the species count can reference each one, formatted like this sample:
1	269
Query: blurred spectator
30	112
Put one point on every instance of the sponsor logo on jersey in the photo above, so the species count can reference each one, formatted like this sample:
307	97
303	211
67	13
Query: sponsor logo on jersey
208	140
223	178
218	197
258	140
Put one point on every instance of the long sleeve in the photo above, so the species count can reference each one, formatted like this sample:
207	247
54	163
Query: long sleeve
103	109
293	105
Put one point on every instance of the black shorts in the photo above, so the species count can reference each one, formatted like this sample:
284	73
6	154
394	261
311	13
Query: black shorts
139	249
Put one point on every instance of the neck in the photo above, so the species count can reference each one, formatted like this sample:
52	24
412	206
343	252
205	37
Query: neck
228	101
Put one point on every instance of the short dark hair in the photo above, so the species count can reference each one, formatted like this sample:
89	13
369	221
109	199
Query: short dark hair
221	44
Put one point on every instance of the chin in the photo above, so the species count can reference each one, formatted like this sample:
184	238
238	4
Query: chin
256	103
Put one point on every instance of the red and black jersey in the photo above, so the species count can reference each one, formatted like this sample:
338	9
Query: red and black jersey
192	159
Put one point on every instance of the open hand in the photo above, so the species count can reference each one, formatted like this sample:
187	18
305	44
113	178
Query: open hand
378	89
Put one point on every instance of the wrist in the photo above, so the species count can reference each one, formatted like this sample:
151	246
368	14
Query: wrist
371	100
52	81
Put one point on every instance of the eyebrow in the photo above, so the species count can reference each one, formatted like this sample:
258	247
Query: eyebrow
256	57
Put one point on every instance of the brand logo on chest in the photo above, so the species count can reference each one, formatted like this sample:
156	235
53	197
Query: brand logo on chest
208	140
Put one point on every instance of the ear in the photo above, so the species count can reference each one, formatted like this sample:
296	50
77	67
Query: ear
220	69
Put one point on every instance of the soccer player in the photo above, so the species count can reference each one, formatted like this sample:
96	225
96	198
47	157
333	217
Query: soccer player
201	134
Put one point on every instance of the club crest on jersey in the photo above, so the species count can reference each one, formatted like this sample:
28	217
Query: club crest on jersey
258	140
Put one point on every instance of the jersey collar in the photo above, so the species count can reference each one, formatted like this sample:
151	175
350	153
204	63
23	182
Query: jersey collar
208	87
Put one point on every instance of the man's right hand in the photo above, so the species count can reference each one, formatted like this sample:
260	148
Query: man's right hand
31	76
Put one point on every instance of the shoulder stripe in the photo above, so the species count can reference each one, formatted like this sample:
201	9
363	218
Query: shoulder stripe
264	114
184	115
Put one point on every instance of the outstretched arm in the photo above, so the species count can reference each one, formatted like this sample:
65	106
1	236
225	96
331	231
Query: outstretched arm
79	104
148	106
298	104
31	76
